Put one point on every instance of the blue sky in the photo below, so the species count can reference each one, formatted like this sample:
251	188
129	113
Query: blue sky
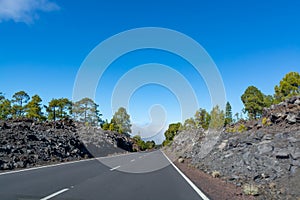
43	43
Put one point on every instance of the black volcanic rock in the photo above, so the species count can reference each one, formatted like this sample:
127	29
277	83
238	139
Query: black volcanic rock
265	155
27	143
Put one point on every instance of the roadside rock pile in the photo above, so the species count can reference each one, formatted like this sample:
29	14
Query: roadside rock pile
283	115
287	112
184	142
268	160
102	143
26	143
266	154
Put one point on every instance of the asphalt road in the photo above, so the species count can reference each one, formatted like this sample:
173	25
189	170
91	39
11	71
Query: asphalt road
131	176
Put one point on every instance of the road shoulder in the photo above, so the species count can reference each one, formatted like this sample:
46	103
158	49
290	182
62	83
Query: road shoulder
214	188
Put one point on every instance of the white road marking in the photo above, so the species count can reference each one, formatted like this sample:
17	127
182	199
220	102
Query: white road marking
118	155
46	166
71	162
197	190
132	160
55	194
112	169
141	157
65	163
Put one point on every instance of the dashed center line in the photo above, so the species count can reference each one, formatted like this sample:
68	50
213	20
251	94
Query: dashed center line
132	160
112	169
55	194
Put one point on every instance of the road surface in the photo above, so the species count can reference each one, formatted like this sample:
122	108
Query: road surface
131	176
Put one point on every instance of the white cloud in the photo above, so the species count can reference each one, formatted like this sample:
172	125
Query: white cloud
24	10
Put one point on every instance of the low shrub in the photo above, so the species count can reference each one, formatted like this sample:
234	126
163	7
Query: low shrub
242	128
265	121
237	129
250	189
215	174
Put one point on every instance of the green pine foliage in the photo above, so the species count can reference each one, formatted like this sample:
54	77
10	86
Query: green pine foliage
105	125
142	145
228	114
171	132
253	100
21	105
34	109
19	101
202	119
289	86
121	121
217	118
5	107
86	110
268	100
59	109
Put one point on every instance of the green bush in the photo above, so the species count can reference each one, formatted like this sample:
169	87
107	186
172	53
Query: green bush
166	143
242	128
142	145
171	132
237	128
231	130
265	121
105	126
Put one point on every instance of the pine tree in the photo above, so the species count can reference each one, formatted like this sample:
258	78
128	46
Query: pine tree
105	125
34	108
202	118
86	110
253	100
52	109
228	114
217	118
268	100
122	121
64	108
172	131
5	107
1	96
19	99
289	86
59	109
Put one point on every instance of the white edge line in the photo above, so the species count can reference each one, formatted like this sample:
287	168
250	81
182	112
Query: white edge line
55	194
47	166
198	191
64	163
112	169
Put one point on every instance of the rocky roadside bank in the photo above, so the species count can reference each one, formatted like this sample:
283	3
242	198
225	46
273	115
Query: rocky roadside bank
25	143
263	160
